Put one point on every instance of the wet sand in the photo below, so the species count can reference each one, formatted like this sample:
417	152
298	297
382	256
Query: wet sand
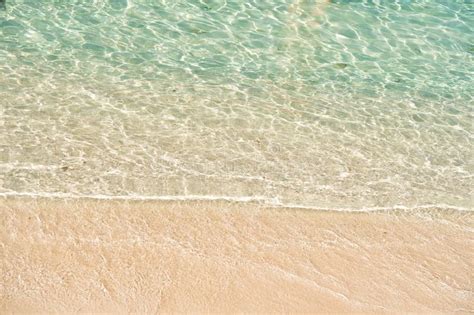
223	257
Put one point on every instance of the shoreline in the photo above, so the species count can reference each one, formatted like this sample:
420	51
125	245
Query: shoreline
256	200
76	255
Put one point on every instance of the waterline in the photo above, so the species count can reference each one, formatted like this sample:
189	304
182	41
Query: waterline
271	202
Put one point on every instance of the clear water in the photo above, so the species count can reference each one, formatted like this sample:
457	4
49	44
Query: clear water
352	104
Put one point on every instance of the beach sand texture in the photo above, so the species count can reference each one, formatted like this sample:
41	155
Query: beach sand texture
221	257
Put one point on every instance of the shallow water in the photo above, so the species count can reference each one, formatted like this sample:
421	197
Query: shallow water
355	104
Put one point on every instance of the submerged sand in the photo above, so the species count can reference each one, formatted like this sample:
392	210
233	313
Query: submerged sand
222	257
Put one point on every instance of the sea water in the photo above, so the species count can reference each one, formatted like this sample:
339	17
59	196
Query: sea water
346	104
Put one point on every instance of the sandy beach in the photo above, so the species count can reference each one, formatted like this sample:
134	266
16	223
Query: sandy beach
237	157
83	256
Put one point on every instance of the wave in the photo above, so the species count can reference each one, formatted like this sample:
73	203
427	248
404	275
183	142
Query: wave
271	202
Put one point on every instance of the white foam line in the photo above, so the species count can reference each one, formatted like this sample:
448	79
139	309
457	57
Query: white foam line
142	198
369	209
273	202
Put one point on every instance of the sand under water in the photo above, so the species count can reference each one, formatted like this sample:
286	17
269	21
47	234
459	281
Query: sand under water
67	255
356	105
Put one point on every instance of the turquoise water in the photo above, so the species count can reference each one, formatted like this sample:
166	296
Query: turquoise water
349	104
